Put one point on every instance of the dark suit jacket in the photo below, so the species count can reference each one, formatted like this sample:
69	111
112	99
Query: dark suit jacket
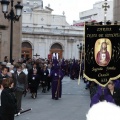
22	79
116	96
3	77
8	102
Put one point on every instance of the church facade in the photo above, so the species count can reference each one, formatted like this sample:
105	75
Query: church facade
44	34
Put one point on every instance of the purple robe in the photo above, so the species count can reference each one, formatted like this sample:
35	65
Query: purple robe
57	77
117	84
96	98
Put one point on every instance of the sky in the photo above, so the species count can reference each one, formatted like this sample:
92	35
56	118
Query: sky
70	7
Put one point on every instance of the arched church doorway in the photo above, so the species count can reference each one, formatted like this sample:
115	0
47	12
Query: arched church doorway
57	48
26	50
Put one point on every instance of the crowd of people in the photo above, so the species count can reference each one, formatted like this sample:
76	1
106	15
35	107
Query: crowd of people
27	75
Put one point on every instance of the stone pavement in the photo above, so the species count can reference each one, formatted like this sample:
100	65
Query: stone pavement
73	105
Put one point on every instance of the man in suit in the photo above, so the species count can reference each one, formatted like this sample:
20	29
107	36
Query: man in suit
20	84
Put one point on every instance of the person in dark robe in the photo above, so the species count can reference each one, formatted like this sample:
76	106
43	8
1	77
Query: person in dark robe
56	76
102	94
66	68
63	66
34	81
103	56
77	69
93	88
72	73
117	84
44	78
49	77
115	92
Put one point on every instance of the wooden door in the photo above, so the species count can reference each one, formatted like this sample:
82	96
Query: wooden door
57	51
27	52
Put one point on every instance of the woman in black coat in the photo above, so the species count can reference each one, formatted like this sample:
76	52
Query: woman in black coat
34	81
8	101
44	78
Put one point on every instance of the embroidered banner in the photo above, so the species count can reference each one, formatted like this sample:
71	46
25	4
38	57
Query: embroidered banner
102	53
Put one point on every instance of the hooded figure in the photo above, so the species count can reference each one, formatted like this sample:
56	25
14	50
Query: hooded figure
102	94
56	76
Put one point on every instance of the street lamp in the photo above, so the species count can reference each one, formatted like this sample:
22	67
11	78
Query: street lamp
12	17
81	48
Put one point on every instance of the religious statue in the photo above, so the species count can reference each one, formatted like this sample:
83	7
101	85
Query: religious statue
103	56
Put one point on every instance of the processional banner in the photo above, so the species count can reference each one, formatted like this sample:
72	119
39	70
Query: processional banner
102	53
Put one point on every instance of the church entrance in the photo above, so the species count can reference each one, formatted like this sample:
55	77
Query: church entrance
26	50
57	48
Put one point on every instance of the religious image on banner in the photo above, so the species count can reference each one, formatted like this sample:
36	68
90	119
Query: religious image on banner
103	51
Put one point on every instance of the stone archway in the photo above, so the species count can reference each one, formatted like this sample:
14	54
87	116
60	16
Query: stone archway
26	50
57	48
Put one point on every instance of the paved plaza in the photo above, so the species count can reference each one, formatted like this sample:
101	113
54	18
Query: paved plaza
73	105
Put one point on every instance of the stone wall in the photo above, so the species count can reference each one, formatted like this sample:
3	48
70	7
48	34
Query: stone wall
5	37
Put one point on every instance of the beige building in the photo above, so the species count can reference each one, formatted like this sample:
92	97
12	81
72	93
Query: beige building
5	37
44	33
116	14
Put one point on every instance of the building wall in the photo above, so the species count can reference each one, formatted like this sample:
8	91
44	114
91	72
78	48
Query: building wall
96	13
5	39
42	29
41	44
116	9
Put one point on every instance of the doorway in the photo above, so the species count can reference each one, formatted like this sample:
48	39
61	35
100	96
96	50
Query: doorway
57	48
26	50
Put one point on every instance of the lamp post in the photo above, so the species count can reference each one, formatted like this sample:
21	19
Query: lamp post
12	17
